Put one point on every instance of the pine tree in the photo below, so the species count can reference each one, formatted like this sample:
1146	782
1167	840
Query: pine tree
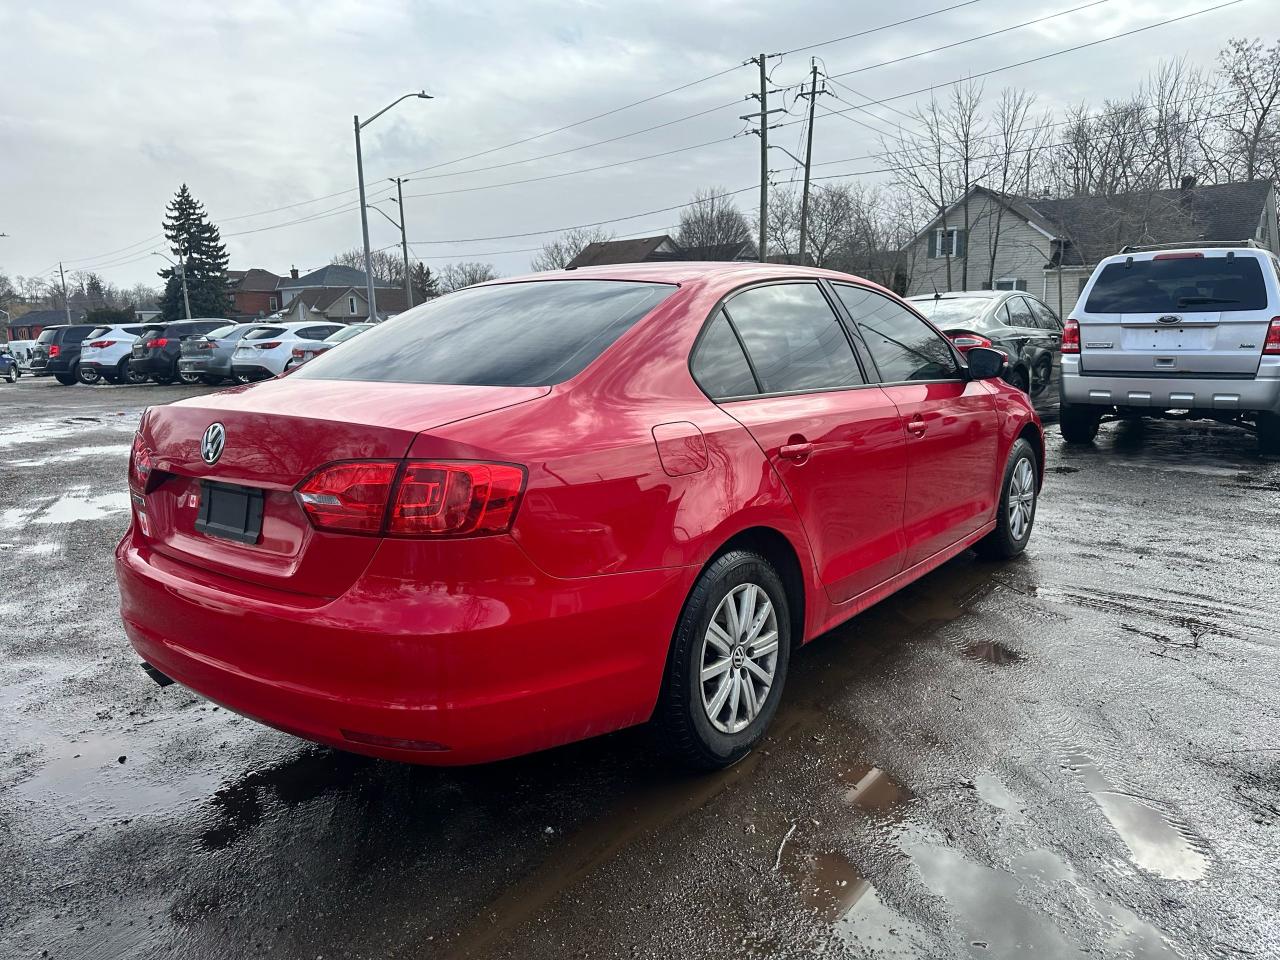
426	285
197	243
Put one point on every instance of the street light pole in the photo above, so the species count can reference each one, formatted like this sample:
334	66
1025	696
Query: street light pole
66	303
404	245
180	269
364	211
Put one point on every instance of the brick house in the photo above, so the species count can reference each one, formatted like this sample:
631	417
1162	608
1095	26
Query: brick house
254	293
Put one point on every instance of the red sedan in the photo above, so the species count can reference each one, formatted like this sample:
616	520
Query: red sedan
542	509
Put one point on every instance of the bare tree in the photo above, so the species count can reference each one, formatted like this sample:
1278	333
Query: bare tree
388	266
557	254
465	273
712	220
1179	101
784	223
1252	73
1015	148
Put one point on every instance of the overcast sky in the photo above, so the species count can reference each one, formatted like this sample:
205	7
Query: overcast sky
105	108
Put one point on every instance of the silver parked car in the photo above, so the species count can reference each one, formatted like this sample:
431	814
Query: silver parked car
1191	332
209	356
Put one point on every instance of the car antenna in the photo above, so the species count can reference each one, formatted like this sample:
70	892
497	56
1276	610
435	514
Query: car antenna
936	294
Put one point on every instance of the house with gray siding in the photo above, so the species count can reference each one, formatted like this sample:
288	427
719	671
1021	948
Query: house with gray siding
988	240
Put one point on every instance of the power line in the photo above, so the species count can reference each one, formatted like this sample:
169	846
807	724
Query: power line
887	26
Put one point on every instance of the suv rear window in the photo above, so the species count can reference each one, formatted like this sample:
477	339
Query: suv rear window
508	335
1209	284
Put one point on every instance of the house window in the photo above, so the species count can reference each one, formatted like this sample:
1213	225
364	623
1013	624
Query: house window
351	305
273	304
947	243
1011	283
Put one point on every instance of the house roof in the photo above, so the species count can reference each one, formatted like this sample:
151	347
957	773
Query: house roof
46	318
390	299
636	250
255	280
332	275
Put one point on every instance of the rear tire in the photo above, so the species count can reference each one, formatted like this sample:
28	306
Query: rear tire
131	376
67	379
705	723
1017	377
87	375
1078	422
210	379
1019	492
1269	433
1041	375
190	379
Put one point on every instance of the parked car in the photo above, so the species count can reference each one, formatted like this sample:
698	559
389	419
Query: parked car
541	509
1018	323
1192	332
9	368
310	349
209	356
106	352
156	352
264	352
57	352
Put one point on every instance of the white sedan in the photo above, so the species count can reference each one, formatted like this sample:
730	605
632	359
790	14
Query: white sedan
264	352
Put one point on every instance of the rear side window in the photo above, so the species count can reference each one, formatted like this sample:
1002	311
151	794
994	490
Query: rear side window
903	346
793	338
97	332
1019	312
719	365
1185	284
512	335
1044	316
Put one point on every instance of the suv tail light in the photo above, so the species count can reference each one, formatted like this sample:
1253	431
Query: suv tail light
1271	346
416	499
1071	336
100	344
158	342
54	350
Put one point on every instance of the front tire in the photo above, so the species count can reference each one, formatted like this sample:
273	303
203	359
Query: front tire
1018	494
87	375
728	663
11	375
1078	422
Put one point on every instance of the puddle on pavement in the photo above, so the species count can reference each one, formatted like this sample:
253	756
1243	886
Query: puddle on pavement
78	453
1157	842
43	431
76	507
873	789
991	651
994	793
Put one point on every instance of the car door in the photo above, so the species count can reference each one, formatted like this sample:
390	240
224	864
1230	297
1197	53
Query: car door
1051	343
834	439
950	422
1034	345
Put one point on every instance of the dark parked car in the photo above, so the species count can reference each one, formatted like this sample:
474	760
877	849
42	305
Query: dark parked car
9	368
57	352
1010	320
209	356
156	352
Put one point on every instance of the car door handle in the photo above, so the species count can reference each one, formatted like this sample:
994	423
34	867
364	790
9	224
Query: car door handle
798	452
917	427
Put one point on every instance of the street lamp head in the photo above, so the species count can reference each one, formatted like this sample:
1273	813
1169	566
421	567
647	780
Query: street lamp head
423	95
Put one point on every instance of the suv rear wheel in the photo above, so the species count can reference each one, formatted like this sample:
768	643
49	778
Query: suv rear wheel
727	664
1269	432
87	375
67	379
1079	422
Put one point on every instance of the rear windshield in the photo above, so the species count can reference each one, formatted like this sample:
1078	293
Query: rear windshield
264	333
1209	284
97	332
513	335
219	332
964	312
47	336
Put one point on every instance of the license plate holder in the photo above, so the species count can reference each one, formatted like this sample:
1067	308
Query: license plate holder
230	511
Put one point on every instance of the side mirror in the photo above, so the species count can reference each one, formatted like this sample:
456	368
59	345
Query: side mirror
986	363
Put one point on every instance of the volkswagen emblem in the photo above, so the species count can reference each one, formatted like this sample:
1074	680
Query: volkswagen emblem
211	444
1169	318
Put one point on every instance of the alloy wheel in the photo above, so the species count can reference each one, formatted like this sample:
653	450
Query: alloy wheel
739	658
1022	498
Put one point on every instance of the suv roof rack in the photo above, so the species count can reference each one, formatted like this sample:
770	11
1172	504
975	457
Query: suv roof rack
1191	245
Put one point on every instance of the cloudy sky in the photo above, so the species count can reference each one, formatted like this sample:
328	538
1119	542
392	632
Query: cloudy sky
105	108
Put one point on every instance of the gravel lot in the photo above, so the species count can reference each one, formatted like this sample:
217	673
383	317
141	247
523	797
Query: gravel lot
1072	754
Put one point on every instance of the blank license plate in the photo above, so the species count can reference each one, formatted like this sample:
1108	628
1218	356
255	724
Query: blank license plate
1173	338
229	511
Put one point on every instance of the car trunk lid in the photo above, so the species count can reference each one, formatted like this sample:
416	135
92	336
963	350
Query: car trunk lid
276	434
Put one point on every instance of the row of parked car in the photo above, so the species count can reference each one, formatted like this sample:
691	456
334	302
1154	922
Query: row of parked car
205	350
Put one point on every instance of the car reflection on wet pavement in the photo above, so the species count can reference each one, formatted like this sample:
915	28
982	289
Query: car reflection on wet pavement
1071	754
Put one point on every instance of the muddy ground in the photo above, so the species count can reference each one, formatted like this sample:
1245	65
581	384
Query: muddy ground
1073	754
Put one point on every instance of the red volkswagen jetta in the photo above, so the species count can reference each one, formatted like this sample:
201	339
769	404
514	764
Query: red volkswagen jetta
542	509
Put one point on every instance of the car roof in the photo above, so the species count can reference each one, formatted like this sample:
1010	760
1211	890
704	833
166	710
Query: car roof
964	295
680	271
1256	253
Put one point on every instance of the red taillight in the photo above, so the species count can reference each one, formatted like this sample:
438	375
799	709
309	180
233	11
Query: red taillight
450	499
268	346
1071	336
158	342
965	342
1271	346
140	464
204	345
100	344
299	352
1178	256
349	497
54	350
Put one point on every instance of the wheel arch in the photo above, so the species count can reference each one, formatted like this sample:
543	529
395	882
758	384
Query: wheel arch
1034	436
778	549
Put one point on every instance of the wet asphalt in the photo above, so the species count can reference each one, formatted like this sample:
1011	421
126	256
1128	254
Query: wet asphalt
1073	754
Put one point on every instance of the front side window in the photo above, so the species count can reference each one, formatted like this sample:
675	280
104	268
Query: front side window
793	338
903	346
719	365
1192	284
537	333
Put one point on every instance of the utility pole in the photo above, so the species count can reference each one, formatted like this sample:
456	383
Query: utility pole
808	160
66	301
182	275
404	244
763	132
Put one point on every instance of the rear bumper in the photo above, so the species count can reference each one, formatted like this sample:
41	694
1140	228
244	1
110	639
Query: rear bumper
487	657
1259	394
157	365
47	368
254	371
205	366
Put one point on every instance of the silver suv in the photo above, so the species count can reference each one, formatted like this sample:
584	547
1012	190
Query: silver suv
1192	332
